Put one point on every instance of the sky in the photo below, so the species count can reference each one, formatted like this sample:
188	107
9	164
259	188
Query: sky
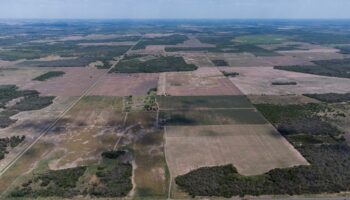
175	9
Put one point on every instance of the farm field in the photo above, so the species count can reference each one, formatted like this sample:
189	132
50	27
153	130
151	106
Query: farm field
150	109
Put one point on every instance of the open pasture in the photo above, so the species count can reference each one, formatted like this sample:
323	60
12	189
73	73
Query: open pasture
253	149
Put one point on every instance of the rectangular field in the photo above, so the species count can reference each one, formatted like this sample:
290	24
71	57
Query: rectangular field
211	117
202	102
252	149
203	82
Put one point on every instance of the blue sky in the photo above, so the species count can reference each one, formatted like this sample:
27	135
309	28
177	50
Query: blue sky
170	9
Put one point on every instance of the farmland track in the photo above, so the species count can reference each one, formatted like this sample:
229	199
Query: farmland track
46	130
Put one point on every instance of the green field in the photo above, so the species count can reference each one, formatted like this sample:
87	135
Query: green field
197	102
211	117
261	39
155	65
334	68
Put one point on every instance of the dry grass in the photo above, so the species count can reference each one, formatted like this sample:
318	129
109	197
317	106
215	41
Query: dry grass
253	149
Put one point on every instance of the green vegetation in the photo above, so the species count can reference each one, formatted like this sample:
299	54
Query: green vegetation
261	39
48	75
158	64
113	180
317	140
60	183
344	49
225	44
210	117
151	101
230	74
84	54
114	176
330	97
335	68
166	40
11	142
220	63
328	172
289	47
176	49
25	100
205	102
284	83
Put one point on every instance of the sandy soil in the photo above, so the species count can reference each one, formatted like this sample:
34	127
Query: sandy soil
125	84
252	149
258	80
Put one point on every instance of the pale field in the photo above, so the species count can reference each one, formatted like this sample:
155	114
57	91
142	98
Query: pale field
252	149
20	76
115	84
202	82
314	54
73	83
258	80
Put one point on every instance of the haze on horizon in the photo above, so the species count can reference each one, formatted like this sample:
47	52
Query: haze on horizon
175	9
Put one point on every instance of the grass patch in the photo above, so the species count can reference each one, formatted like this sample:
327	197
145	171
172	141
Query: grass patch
49	75
158	64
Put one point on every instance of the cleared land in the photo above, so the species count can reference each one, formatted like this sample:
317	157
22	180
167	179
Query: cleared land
253	149
125	84
204	81
258	80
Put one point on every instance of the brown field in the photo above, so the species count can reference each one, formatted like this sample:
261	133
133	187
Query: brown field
125	84
252	149
258	80
203	82
151	177
73	83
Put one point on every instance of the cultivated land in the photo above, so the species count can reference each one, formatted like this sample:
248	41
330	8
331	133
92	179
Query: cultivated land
173	110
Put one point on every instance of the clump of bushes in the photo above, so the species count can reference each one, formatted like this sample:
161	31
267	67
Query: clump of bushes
230	74
7	142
